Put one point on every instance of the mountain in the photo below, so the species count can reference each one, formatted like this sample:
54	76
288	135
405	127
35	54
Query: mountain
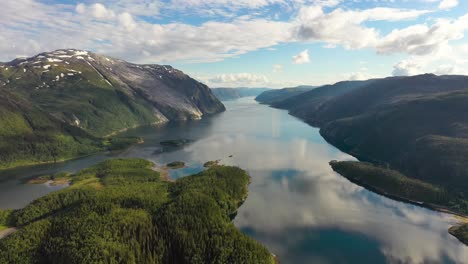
417	125
226	94
273	96
306	105
73	98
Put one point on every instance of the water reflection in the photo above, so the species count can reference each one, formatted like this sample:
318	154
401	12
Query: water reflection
297	206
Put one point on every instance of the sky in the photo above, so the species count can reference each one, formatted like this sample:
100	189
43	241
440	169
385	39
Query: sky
250	43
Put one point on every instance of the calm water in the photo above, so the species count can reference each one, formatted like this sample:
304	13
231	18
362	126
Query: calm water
297	206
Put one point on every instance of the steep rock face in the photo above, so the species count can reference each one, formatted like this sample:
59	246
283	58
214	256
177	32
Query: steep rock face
103	95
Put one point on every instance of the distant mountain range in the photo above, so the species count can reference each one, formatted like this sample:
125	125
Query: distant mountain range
274	96
417	125
226	94
59	104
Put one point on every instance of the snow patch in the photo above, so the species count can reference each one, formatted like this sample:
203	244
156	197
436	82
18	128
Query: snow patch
62	75
80	52
24	70
54	60
46	66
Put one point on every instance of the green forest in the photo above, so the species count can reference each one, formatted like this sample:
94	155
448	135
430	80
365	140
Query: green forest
398	186
120	211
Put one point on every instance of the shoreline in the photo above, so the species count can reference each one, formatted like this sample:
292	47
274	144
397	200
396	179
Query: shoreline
33	164
163	172
371	188
432	207
6	232
460	219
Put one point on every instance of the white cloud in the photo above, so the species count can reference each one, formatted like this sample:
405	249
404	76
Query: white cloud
239	79
98	11
344	27
126	20
120	29
422	39
448	4
406	68
80	8
358	76
277	68
302	57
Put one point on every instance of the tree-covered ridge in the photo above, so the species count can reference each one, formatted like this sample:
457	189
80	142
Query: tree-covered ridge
395	185
120	211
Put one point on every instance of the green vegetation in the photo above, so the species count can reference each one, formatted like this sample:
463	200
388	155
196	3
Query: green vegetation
460	232
211	163
176	165
57	179
5	219
120	211
395	185
28	135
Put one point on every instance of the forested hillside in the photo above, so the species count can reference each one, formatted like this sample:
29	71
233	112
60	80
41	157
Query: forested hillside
120	211
417	125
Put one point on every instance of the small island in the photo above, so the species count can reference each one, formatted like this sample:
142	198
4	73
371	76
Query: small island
175	142
176	165
211	163
393	184
123	211
58	179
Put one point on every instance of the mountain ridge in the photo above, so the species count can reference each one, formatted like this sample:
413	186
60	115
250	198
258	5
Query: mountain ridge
226	94
93	95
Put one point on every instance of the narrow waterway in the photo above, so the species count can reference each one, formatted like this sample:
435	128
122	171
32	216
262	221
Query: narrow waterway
297	206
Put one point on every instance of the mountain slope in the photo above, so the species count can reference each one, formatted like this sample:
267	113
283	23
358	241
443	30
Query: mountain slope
276	95
225	94
28	135
79	94
426	138
102	95
416	124
306	105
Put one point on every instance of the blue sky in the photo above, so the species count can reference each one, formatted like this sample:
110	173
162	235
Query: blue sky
253	43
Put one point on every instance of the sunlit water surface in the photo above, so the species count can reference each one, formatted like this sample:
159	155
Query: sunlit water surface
297	206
